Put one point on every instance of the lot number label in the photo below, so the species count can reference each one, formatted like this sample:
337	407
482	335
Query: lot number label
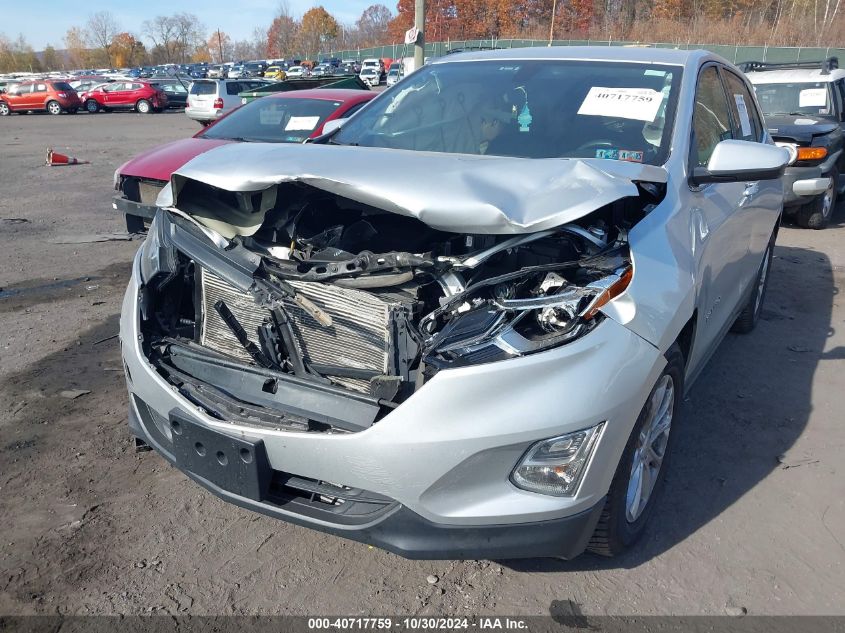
640	104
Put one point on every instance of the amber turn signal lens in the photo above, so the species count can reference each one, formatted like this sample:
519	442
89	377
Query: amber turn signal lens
611	292
811	153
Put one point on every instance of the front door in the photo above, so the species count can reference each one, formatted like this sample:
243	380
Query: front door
721	229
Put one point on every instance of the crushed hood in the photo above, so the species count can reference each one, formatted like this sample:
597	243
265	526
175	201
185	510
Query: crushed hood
451	192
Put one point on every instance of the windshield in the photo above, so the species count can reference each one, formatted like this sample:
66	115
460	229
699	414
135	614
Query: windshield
794	98
274	120
533	109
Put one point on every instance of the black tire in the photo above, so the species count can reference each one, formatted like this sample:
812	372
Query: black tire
92	106
4	109
816	214
143	107
53	107
750	315
614	532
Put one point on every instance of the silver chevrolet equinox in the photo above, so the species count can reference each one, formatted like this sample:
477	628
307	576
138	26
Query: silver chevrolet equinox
461	323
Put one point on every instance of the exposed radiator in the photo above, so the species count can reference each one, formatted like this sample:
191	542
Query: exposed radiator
361	334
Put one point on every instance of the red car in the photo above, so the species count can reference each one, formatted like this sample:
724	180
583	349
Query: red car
286	117
136	95
49	95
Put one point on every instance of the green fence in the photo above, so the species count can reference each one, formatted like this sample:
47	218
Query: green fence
735	54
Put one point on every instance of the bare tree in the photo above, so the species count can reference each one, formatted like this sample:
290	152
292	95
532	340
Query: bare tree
102	27
190	34
175	37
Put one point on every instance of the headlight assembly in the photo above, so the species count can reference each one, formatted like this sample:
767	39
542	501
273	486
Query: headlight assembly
158	257
519	316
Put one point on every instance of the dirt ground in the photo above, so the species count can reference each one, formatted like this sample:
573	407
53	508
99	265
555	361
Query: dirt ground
753	515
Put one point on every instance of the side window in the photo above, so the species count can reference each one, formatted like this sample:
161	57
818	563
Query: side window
746	121
711	122
839	98
40	88
233	87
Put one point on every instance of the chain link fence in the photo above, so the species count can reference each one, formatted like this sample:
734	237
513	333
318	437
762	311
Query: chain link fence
734	54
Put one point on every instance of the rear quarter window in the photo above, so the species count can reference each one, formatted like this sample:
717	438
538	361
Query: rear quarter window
204	88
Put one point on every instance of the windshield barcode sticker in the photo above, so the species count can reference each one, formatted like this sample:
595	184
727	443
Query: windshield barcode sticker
812	98
640	104
306	123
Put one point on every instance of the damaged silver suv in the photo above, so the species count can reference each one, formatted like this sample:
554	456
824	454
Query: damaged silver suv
461	324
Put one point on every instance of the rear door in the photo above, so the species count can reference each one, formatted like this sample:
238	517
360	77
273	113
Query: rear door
720	229
202	94
37	99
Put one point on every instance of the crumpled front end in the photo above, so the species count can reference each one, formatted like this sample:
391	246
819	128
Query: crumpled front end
379	376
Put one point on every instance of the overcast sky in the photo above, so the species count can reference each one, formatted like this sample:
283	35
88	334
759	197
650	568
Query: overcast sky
45	21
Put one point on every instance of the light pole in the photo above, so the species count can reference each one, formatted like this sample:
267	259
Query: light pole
552	26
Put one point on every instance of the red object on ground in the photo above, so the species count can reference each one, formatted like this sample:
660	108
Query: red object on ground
54	159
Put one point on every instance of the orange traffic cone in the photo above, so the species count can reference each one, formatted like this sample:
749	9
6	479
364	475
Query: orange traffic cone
54	158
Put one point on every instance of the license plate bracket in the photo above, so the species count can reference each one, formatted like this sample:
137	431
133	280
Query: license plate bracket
234	464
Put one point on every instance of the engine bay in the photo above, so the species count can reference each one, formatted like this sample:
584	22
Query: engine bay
332	292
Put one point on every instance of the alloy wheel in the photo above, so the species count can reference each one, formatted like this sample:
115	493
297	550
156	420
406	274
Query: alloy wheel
650	449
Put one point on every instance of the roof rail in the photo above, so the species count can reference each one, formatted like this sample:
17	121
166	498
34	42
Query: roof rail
466	49
826	65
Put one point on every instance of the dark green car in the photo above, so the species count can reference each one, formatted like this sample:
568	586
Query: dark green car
351	82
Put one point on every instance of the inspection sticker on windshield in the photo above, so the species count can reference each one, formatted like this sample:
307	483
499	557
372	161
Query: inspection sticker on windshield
812	98
302	123
744	121
640	104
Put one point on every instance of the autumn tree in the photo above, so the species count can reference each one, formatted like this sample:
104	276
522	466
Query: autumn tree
127	50
102	28
219	46
76	47
174	37
50	59
318	29
17	55
283	33
372	25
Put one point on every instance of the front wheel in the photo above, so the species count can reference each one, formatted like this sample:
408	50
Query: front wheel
4	109
816	214
640	474
750	315
92	106
54	108
144	107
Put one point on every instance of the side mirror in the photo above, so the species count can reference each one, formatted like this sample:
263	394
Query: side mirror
333	125
734	161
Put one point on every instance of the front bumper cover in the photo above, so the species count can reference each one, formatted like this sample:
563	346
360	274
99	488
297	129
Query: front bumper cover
445	455
410	535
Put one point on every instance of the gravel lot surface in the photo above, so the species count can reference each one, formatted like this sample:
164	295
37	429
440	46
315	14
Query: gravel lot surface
89	526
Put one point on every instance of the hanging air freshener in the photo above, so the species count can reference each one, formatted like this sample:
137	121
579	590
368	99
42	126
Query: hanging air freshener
524	119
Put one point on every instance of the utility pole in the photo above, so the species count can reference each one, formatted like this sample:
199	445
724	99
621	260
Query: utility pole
552	27
220	45
419	24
